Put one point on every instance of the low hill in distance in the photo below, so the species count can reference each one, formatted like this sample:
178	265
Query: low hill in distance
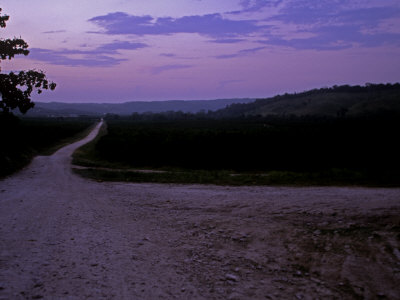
59	109
337	101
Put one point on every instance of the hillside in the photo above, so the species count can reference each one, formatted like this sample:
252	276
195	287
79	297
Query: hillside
334	101
127	108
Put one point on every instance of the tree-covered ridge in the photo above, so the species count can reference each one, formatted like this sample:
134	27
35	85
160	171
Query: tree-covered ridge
335	101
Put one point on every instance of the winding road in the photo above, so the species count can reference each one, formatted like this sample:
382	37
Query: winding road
67	237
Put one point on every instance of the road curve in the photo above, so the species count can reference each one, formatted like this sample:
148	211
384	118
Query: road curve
67	237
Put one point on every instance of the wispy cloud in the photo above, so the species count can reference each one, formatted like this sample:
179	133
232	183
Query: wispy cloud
168	54
63	58
98	57
54	31
249	6
333	25
178	57
115	46
251	50
227	41
243	52
164	68
333	12
212	25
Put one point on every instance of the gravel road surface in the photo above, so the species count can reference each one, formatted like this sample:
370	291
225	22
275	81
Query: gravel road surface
67	237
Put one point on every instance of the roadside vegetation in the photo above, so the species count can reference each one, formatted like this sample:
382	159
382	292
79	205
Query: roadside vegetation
23	138
271	150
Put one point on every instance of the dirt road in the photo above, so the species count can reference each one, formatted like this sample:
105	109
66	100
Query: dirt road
66	237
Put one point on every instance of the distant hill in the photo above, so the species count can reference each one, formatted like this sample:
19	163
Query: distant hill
335	101
127	108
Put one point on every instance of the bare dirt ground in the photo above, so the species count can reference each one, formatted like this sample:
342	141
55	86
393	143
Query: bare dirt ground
66	237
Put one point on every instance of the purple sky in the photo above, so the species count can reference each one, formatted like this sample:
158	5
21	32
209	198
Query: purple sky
130	50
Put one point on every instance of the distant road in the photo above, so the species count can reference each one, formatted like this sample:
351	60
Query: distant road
67	237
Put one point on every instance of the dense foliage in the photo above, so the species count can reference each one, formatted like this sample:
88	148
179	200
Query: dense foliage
336	101
25	138
256	144
17	87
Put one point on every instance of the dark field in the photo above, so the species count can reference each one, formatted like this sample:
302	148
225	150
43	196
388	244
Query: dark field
274	150
22	139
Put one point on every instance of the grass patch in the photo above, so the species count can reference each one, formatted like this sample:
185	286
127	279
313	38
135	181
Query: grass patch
222	177
86	155
192	177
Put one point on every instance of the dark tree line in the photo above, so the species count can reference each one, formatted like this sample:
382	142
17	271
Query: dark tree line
294	144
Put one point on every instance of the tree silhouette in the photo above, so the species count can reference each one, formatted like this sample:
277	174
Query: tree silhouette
16	88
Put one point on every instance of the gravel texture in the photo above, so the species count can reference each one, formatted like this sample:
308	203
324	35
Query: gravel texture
67	237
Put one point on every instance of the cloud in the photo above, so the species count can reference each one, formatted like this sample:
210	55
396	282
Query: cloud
98	57
176	56
160	69
227	41
333	12
250	51
332	25
226	56
307	11
54	31
243	52
114	47
168	54
212	25
62	57
249	6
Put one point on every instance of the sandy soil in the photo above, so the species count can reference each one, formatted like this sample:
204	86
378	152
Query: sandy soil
66	237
